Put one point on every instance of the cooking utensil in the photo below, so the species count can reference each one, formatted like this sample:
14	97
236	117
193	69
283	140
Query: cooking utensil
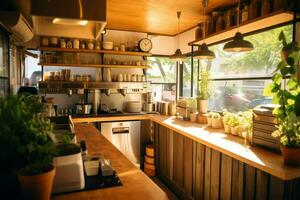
134	106
83	109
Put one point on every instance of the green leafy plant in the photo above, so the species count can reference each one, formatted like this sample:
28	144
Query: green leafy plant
216	116
205	85
210	115
192	104
25	144
226	117
234	120
286	93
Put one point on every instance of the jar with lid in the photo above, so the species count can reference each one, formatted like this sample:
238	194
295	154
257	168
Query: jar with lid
76	43
97	45
265	7
90	44
219	23
199	32
63	43
82	45
45	42
244	14
53	41
255	8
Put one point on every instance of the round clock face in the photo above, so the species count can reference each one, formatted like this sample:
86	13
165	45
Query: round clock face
145	45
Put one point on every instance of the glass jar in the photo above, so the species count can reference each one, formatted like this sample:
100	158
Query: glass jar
212	22
245	14
199	32
53	41
76	43
90	44
63	43
220	25
45	42
265	7
97	45
255	8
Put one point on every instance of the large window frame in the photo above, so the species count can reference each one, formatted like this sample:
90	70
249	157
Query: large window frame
243	78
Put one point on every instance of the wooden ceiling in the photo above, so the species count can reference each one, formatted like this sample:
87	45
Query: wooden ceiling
158	16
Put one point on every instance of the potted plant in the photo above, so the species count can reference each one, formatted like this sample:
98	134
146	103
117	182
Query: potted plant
192	107
234	124
226	118
209	118
216	121
26	148
286	93
205	90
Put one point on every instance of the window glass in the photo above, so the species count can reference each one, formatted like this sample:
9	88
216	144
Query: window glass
243	93
260	62
163	70
187	70
33	72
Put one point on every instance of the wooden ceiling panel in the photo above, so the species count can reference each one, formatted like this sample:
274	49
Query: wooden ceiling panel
158	16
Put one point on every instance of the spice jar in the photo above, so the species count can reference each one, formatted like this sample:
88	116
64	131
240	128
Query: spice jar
76	44
53	41
45	42
97	45
265	7
82	45
255	8
90	44
63	43
219	23
199	32
245	14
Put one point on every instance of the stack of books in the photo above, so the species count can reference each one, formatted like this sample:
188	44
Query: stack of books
264	124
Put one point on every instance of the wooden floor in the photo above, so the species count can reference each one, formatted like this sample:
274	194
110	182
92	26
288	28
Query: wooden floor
169	193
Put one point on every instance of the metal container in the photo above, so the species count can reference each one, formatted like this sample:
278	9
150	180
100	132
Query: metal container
148	107
83	109
165	108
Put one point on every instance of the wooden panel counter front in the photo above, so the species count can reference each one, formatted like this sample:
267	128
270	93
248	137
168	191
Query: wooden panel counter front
216	139
136	185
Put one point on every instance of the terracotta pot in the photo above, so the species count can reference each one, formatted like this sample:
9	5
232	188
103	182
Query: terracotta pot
37	187
209	120
202	105
290	155
193	117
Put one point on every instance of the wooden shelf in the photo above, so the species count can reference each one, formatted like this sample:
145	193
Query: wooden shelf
257	24
102	51
93	65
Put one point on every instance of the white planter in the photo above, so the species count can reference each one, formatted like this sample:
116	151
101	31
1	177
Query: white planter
202	106
227	129
234	130
216	123
209	122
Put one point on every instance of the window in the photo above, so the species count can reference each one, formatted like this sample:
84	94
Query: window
162	75
239	78
187	76
4	69
33	72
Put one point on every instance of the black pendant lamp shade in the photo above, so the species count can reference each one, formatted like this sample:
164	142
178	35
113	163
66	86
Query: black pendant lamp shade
178	56
204	53
238	44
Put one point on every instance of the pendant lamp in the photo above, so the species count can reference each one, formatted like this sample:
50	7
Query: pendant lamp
203	51
178	56
238	44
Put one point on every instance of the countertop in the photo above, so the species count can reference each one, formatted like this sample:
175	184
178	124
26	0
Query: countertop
232	146
136	185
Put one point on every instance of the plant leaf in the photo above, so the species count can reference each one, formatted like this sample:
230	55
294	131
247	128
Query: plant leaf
292	84
277	78
284	71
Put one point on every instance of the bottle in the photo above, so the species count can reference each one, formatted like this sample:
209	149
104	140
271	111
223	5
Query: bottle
245	14
199	32
76	44
219	23
63	43
265	7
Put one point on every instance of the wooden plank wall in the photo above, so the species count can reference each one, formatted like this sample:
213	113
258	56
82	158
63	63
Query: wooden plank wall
194	171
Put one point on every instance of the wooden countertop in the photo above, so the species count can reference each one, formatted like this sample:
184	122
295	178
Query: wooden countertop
232	146
136	185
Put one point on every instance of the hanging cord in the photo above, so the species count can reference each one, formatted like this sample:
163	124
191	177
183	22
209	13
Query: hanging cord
178	28
204	3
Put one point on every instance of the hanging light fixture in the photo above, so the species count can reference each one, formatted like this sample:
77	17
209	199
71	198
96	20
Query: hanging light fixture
178	56
238	44
203	51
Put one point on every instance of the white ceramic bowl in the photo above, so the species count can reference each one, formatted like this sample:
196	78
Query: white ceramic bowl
134	106
108	45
